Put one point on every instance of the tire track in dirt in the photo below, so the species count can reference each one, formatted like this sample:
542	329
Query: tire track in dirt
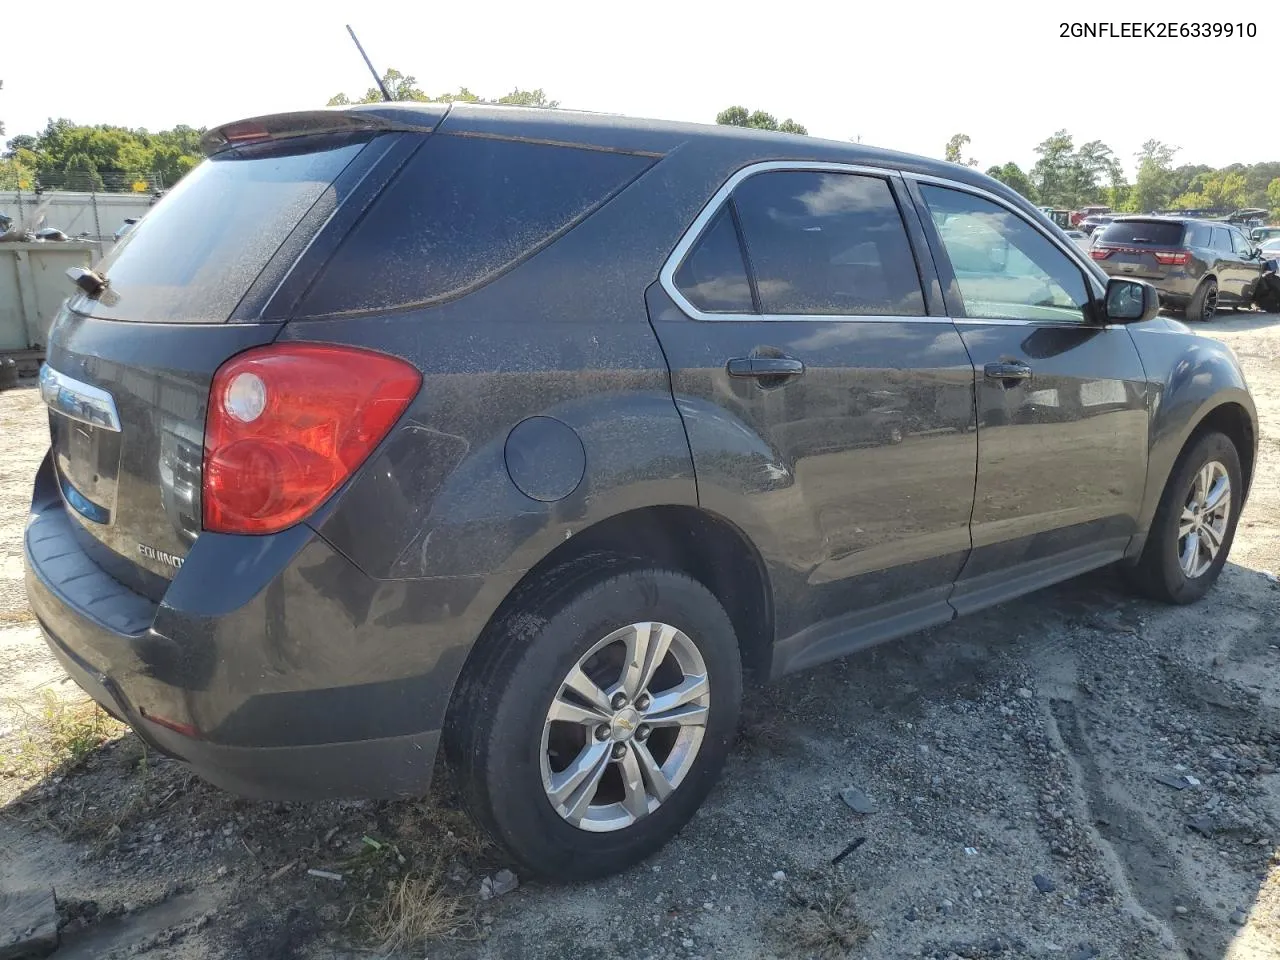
1151	879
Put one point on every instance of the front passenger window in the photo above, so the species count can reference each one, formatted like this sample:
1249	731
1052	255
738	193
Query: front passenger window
1005	268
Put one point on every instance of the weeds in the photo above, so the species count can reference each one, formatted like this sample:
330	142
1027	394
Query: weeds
824	925
59	735
418	908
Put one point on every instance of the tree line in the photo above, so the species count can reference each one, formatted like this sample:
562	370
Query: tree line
69	156
1069	177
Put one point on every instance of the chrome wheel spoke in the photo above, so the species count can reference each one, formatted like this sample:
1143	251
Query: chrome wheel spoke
572	788
1188	522
1190	554
589	690
567	711
635	798
1212	539
655	780
687	691
688	715
1219	493
646	649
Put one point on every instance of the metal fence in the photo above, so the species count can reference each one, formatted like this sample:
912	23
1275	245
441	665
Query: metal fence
97	216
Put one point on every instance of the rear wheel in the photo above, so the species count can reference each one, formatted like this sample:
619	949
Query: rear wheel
599	722
1204	302
1195	523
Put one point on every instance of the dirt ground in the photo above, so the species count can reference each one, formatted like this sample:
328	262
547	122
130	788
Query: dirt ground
1012	759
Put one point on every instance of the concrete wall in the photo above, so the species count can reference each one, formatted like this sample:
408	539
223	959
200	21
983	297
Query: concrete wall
33	284
97	214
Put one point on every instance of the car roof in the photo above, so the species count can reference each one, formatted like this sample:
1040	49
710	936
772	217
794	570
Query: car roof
726	145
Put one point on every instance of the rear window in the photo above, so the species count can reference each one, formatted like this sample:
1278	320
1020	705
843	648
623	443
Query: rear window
1155	233
195	254
463	210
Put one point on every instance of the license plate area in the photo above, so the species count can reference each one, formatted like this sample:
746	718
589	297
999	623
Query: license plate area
84	430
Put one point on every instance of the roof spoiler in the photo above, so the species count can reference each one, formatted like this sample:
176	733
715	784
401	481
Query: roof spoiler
368	118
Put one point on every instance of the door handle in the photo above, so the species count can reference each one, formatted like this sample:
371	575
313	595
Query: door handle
765	367
1007	373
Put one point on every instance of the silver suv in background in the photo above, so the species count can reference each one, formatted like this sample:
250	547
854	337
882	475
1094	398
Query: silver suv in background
1196	265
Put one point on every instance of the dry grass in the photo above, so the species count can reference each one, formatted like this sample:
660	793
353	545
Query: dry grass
418	908
11	617
58	734
823	925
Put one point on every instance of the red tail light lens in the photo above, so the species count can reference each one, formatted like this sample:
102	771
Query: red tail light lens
288	424
1099	253
1176	258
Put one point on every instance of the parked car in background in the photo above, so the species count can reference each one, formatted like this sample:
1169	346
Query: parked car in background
1197	265
1090	224
1261	235
436	436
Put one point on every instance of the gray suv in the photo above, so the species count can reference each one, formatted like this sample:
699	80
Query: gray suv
525	434
1197	265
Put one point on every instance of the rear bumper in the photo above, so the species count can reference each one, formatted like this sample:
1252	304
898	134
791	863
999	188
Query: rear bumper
272	665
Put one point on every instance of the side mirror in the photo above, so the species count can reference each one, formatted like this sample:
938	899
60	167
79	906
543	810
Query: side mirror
1131	301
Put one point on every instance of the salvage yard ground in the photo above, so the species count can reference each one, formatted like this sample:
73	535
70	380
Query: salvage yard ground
1025	767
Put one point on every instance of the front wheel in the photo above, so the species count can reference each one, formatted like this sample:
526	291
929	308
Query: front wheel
600	723
1194	524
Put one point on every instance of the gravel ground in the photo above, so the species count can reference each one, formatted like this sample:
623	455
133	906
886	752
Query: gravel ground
1021	767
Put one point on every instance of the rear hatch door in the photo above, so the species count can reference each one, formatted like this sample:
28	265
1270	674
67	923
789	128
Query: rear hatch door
128	371
1135	248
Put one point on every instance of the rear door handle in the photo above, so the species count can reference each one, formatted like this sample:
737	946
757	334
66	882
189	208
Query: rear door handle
761	367
1007	372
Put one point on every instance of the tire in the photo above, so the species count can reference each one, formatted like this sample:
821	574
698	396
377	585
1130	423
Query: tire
1160	573
1204	302
503	747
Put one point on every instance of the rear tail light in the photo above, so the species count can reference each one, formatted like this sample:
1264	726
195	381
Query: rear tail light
1172	258
1099	253
288	424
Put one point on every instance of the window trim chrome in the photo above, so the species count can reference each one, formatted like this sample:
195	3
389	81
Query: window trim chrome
717	202
1070	249
71	398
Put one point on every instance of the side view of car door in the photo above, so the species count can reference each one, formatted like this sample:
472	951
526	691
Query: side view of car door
1246	267
1062	405
827	397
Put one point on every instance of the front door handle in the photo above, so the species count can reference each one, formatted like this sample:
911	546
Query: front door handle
765	367
1008	373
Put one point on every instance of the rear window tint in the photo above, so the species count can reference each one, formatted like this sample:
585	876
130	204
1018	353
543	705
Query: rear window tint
1198	235
713	275
195	254
1153	233
463	210
827	243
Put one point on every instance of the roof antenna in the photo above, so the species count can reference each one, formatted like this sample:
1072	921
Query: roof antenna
376	79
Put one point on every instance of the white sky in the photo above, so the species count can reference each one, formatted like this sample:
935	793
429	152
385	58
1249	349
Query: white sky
901	75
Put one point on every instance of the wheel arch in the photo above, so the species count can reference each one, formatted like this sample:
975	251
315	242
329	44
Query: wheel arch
691	540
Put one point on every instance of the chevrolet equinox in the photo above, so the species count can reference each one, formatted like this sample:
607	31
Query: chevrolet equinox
524	434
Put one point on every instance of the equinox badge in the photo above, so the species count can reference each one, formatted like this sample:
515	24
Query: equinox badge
151	553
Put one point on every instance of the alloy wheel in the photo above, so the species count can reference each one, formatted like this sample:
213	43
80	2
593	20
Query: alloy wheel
1203	525
625	727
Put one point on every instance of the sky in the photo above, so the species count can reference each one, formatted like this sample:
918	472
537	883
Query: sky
902	75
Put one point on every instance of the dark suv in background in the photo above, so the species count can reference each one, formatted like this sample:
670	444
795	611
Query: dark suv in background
1197	265
525	433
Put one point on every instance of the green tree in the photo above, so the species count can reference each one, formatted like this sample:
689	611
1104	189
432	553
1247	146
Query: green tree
404	87
1153	186
760	120
1273	198
1011	175
66	155
954	150
1052	174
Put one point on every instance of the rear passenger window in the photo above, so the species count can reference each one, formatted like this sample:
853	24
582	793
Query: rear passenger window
1197	235
827	244
463	210
713	276
1221	240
